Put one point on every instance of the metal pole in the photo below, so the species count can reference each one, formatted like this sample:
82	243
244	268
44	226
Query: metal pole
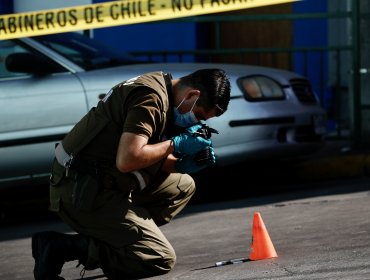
356	78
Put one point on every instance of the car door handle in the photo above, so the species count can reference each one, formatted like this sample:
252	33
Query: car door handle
101	96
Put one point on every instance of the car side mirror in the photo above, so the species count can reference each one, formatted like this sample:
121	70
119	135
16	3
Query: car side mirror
31	63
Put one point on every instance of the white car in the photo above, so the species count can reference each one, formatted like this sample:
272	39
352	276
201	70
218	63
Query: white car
47	83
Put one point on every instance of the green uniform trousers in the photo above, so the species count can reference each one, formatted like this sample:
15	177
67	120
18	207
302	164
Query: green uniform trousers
125	239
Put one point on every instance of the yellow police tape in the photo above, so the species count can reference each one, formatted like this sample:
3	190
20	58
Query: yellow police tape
115	13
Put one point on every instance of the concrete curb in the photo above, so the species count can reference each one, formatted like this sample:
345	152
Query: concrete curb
336	166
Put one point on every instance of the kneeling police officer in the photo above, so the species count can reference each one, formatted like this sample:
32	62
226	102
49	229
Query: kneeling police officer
122	172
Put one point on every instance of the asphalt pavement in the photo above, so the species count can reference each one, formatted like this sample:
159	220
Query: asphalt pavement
321	231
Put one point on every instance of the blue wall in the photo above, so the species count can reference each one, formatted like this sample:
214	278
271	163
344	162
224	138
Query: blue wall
311	33
314	33
158	36
150	36
6	7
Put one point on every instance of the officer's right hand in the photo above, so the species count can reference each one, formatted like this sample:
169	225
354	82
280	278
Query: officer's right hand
188	144
190	164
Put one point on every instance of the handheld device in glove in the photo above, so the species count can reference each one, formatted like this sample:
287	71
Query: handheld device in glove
202	130
206	156
193	164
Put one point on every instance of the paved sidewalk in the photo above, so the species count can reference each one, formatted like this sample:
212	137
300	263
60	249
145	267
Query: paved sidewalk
336	160
320	233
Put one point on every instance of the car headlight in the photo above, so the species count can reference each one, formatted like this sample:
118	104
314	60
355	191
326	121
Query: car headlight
257	88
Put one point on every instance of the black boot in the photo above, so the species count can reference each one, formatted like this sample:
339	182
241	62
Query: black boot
52	249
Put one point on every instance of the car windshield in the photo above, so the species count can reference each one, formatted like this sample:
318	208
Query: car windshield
87	53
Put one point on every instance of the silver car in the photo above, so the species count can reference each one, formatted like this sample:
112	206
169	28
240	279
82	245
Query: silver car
48	83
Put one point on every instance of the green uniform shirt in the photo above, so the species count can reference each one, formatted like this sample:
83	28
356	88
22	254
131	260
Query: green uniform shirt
139	105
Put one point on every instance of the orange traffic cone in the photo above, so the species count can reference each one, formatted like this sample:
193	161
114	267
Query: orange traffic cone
261	247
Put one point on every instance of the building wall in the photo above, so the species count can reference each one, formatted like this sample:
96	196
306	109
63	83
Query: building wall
256	34
25	5
157	36
6	7
311	33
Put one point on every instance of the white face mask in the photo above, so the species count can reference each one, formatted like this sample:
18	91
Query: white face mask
186	119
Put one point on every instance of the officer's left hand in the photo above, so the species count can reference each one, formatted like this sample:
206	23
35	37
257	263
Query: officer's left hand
186	143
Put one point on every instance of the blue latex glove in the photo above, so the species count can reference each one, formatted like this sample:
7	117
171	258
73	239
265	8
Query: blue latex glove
186	143
189	164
